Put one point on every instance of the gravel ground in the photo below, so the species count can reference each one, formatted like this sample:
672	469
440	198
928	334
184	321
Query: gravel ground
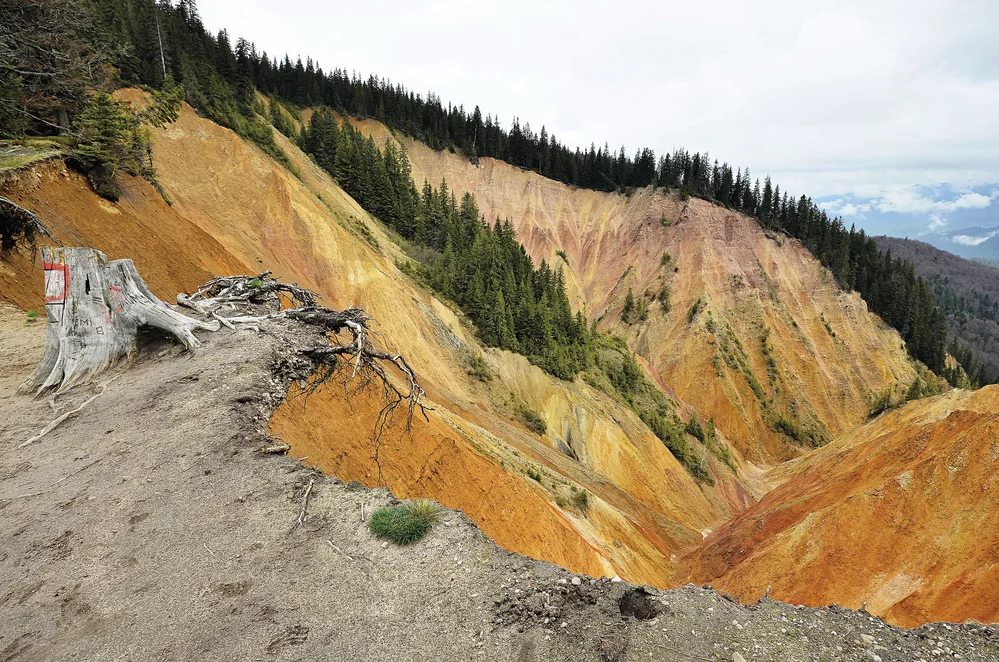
148	527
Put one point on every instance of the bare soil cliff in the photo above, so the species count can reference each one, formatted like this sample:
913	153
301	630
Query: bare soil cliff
900	514
757	329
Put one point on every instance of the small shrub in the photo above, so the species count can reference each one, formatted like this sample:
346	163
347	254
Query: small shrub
667	258
533	474
663	221
694	429
365	232
477	367
255	283
32	316
581	501
627	313
828	326
724	453
406	523
561	254
663	297
918	389
532	420
882	402
696	308
787	427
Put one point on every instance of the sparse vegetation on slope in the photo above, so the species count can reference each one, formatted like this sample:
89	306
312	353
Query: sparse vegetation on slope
616	373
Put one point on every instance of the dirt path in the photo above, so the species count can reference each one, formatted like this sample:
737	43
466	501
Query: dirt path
148	528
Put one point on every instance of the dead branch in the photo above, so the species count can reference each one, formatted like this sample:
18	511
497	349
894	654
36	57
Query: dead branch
276	448
305	502
359	361
253	289
54	424
20	227
64	478
356	363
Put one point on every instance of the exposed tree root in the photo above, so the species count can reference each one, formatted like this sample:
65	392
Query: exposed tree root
356	363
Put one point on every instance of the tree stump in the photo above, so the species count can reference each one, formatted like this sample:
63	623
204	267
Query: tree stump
94	309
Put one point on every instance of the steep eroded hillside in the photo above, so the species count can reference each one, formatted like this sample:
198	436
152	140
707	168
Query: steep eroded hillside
758	334
900	513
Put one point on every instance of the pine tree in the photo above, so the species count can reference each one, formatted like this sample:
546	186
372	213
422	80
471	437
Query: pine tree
629	308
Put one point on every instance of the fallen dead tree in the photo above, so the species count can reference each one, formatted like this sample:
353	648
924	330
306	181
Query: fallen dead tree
95	307
355	362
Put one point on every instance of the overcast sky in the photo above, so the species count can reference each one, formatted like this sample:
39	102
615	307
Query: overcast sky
887	111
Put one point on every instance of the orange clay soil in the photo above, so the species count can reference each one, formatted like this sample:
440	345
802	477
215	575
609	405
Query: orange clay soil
900	513
172	254
746	284
236	211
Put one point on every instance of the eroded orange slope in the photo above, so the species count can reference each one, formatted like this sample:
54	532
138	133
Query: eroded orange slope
235	210
748	285
172	253
902	513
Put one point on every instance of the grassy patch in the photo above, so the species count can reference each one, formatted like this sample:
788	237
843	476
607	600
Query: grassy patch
407	523
364	231
617	373
19	158
734	354
828	326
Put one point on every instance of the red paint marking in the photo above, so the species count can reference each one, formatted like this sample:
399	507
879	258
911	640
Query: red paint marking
64	268
117	298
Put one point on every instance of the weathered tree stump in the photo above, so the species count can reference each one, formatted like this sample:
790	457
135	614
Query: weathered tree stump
94	309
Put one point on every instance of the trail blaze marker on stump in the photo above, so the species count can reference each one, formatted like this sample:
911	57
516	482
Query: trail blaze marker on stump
94	308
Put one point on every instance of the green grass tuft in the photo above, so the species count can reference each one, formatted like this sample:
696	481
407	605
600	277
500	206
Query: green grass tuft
407	523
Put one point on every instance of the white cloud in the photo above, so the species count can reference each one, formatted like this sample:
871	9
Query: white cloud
840	207
911	200
937	222
855	210
969	240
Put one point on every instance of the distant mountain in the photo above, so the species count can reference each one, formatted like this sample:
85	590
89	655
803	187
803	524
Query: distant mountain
971	243
967	291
